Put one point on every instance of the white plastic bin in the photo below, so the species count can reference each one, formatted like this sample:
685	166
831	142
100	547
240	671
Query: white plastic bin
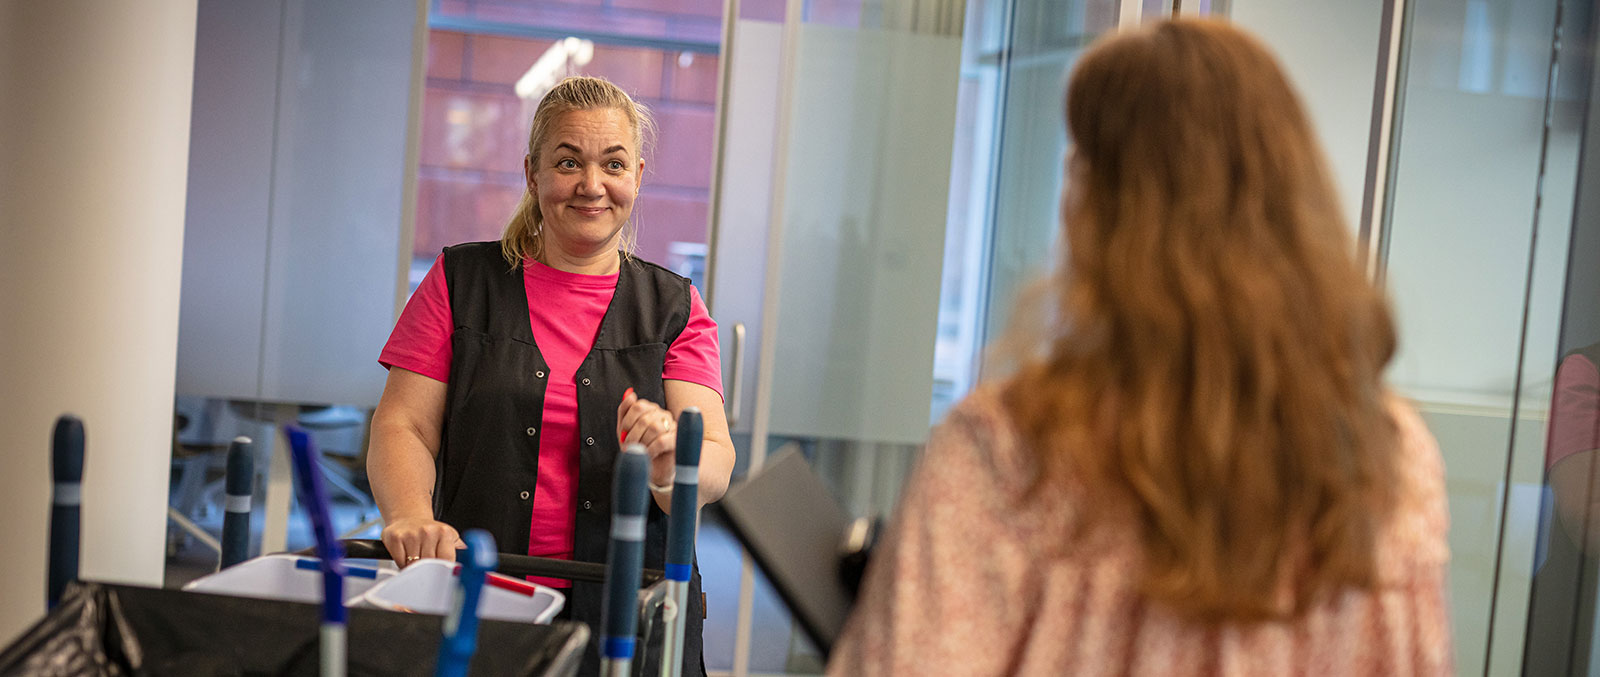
286	577
428	587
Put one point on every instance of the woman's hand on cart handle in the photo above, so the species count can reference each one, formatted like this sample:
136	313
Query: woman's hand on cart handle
411	539
640	420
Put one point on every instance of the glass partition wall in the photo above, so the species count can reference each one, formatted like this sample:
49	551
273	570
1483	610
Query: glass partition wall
880	201
1477	247
1469	165
1552	617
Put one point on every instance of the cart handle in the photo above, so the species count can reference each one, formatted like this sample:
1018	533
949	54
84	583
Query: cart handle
510	565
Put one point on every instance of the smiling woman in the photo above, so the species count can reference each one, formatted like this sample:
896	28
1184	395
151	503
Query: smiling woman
585	160
584	180
519	366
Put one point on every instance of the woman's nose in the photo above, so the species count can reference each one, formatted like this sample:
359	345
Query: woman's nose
589	183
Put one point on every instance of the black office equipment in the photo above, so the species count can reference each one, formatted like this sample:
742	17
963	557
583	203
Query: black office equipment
793	528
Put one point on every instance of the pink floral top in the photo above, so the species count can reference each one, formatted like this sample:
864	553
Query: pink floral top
971	582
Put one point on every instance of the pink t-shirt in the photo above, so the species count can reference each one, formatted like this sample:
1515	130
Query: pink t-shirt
572	306
1575	410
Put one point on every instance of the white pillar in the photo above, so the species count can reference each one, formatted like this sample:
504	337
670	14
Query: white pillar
94	148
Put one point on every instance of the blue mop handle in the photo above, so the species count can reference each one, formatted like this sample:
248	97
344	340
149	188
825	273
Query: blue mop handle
685	496
680	536
314	498
620	615
66	466
240	482
461	626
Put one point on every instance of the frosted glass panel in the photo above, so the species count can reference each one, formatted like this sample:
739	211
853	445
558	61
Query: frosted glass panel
291	250
334	258
225	225
868	180
746	193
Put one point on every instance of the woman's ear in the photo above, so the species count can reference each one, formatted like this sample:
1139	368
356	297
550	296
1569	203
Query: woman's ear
638	180
527	173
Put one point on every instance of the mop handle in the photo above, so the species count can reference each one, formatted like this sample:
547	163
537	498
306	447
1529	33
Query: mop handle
461	626
680	535
314	498
619	611
240	480
66	467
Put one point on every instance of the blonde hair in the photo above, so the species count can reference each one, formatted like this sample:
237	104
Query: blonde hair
1216	362
524	238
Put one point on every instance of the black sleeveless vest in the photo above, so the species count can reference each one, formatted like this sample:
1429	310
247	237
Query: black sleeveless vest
489	448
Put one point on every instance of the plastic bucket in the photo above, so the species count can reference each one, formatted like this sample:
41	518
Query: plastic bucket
286	577
428	587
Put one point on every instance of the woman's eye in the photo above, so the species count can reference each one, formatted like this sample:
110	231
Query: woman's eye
615	165
567	163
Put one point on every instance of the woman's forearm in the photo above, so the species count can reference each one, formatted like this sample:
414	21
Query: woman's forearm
405	441
716	449
716	469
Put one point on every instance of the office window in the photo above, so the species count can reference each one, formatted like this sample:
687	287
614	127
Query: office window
475	119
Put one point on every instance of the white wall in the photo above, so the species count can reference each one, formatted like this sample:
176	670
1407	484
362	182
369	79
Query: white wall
94	131
296	198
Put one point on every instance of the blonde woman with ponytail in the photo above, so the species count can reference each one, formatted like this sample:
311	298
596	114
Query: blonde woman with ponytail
520	367
1201	472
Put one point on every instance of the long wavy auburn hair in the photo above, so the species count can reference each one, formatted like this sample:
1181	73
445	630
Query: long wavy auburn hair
1217	360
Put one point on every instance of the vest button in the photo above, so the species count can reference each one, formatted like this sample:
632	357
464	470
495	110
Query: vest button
538	374
589	441
524	495
586	381
588	506
531	431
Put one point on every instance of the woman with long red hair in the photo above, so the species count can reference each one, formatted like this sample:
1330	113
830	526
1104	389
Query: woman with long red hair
1200	471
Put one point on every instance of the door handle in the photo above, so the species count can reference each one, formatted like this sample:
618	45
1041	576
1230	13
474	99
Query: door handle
735	403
